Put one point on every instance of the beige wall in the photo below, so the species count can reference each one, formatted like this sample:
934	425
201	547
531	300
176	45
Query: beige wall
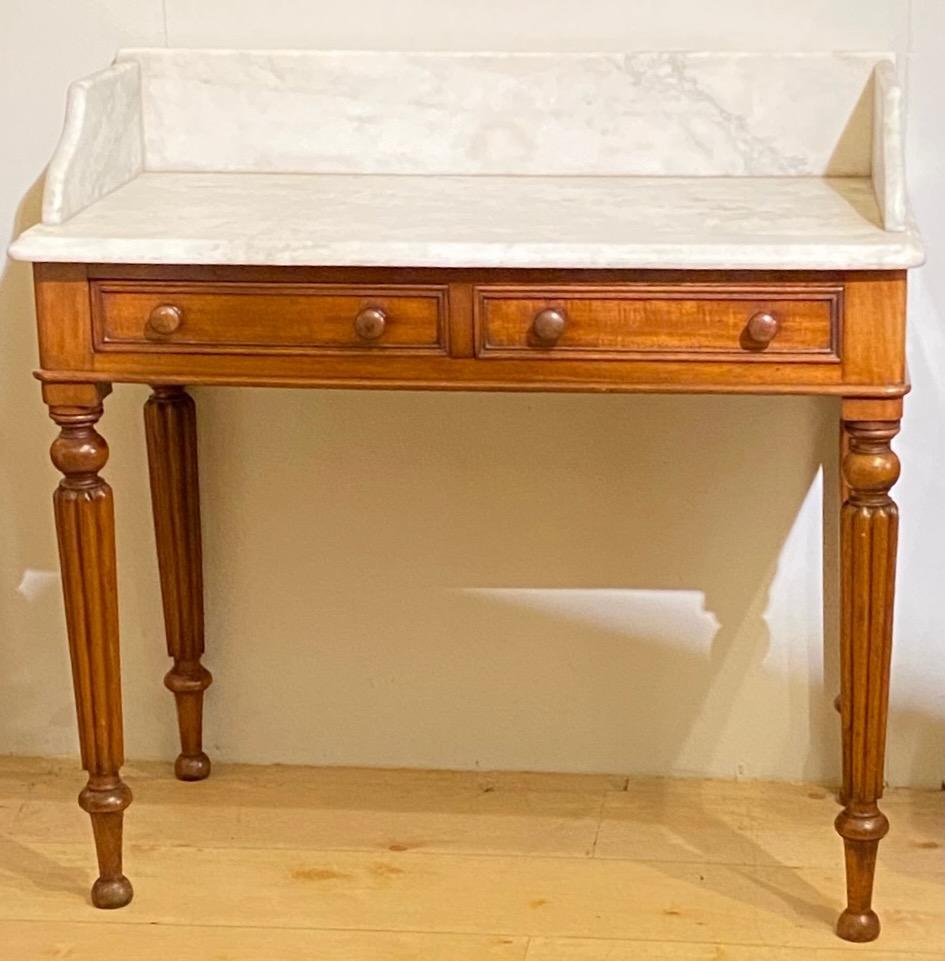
545	582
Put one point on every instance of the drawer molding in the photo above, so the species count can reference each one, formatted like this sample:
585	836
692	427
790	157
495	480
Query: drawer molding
811	315
268	318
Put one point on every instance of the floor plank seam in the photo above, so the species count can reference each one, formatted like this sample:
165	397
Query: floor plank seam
600	824
424	869
871	948
146	847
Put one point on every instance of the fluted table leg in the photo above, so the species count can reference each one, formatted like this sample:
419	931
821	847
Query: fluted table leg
869	528
86	531
171	428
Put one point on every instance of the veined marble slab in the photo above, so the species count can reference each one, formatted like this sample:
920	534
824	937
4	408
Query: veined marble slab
102	144
889	180
477	221
633	114
467	159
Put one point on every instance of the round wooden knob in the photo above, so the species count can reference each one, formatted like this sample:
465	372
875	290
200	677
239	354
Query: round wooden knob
370	323
549	325
165	318
763	327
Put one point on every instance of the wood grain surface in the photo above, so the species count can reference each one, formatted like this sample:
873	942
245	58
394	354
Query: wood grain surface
358	865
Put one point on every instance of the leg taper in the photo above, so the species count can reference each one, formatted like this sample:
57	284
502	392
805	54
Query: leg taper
171	428
869	528
86	533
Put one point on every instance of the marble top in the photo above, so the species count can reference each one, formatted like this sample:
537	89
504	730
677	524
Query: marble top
672	160
645	113
480	221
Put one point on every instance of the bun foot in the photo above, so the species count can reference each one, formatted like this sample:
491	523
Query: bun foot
110	893
192	767
858	927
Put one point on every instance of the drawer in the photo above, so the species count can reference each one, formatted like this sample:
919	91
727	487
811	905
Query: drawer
286	318
754	323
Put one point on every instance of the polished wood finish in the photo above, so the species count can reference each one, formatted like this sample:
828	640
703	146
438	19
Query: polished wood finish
171	429
164	319
762	328
869	529
85	526
636	320
831	333
268	317
871	358
371	323
548	325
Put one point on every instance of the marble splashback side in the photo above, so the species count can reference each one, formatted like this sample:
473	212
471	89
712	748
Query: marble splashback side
101	146
638	114
889	180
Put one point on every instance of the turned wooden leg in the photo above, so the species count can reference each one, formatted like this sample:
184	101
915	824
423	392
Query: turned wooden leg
86	531
171	427
869	528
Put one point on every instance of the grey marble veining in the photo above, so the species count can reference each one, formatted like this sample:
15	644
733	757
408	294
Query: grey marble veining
566	160
101	146
634	114
468	221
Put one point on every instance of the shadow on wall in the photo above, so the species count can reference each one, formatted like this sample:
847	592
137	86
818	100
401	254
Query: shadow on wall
500	580
27	537
37	713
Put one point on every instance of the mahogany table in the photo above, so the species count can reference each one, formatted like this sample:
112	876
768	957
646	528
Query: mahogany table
172	276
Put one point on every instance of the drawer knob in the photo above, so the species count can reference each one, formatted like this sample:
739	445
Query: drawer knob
549	325
370	323
165	319
763	328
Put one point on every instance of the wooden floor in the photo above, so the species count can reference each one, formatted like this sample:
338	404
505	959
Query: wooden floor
278	863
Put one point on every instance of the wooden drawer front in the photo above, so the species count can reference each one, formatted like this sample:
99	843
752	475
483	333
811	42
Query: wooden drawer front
306	318
628	322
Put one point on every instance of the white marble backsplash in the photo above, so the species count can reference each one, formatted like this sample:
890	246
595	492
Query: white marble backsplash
446	159
636	114
101	146
889	180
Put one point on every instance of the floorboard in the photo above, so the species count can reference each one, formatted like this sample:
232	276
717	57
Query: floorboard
357	865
